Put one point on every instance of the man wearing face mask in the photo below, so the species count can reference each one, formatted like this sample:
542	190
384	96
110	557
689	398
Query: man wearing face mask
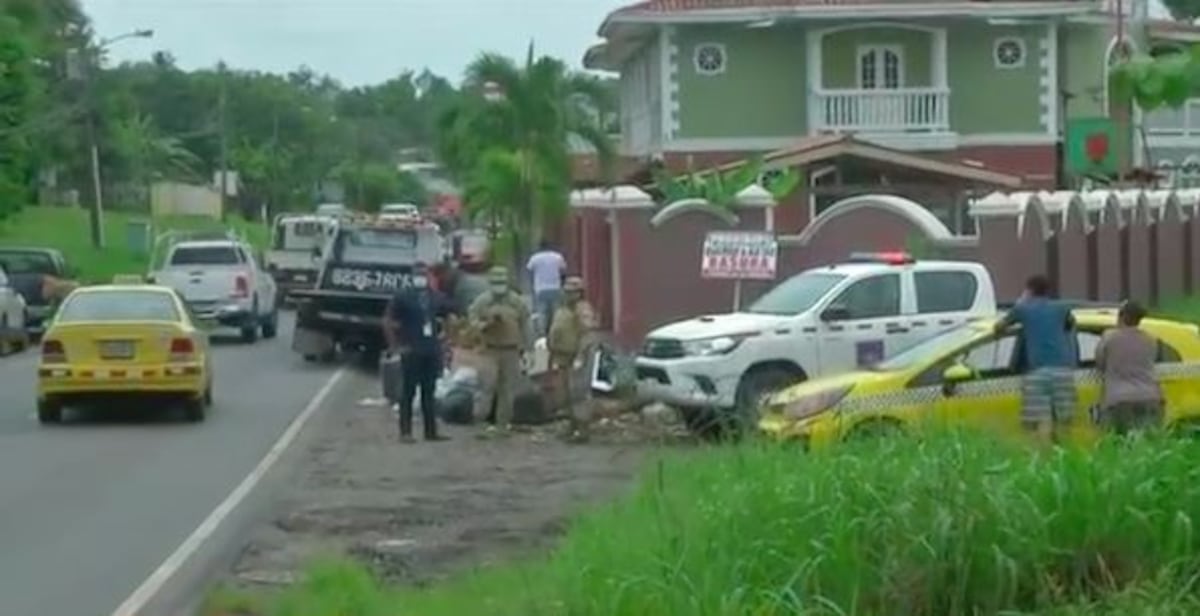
501	316
574	320
412	326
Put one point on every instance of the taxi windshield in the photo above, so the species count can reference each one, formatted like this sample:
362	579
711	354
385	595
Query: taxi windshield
928	350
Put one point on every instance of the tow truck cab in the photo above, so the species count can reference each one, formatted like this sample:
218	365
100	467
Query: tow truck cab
363	266
823	321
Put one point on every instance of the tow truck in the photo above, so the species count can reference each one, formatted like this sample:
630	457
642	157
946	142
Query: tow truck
365	263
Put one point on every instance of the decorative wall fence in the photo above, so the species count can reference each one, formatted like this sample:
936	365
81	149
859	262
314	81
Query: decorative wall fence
642	266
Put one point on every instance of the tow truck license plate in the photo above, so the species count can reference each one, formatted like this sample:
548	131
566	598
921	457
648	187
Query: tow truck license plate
116	349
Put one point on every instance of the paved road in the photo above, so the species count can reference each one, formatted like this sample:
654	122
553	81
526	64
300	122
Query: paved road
89	509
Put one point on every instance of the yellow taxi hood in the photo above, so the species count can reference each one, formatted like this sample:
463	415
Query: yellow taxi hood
862	378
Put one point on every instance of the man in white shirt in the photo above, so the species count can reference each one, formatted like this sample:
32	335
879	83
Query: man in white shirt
547	267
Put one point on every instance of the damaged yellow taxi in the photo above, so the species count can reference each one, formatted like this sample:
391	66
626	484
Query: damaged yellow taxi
970	377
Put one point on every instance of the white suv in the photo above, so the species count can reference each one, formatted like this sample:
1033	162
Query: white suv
823	321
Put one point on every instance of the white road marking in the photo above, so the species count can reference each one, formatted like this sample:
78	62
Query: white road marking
153	584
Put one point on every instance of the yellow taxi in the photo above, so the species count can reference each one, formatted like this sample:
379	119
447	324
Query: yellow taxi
117	341
970	377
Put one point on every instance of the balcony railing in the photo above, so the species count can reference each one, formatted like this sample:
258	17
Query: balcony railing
1182	122
908	110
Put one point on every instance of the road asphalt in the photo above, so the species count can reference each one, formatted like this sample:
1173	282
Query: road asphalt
89	509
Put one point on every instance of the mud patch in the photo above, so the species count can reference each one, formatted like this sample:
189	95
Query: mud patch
418	512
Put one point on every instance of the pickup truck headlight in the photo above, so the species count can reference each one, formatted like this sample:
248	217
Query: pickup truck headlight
719	345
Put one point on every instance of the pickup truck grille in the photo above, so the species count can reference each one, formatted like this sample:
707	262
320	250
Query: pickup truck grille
662	348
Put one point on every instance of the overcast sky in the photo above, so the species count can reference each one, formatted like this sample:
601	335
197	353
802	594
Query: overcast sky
355	41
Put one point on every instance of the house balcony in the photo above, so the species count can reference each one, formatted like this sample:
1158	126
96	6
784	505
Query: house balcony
905	110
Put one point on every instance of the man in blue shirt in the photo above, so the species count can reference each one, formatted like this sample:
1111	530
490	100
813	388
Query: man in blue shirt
412	326
1048	385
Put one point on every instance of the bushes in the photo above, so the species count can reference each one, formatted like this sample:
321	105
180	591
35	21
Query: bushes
948	525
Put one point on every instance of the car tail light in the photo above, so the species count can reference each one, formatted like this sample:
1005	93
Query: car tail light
53	352
182	349
241	286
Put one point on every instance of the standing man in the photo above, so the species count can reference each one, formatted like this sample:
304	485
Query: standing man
412	327
1048	385
573	322
501	316
547	268
1132	400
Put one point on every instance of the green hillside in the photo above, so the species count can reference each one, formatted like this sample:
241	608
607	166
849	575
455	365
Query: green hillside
67	230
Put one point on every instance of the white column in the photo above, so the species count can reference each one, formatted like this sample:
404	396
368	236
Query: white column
939	58
815	80
666	76
1052	93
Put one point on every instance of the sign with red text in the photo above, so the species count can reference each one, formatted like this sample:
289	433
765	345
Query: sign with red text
739	255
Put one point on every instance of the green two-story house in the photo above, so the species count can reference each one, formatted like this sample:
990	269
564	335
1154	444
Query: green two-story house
988	83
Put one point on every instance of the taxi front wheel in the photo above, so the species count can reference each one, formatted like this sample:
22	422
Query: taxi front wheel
50	411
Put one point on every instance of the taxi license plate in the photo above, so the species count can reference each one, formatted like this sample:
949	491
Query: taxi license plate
116	349
300	277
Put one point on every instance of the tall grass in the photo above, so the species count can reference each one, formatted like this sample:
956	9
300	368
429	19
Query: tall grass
943	525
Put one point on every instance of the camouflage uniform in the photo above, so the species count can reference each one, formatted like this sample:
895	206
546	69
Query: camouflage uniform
570	327
502	319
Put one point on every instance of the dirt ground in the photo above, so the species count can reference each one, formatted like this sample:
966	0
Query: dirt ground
418	512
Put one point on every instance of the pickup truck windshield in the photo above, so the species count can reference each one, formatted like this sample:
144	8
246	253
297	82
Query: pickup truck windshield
119	306
796	294
387	246
27	262
206	255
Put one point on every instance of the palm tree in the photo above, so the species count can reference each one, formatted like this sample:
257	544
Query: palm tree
511	152
150	155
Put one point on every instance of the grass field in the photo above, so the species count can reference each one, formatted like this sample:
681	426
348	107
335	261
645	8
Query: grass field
67	230
947	524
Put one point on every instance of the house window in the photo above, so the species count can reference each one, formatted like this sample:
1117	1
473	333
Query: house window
1009	52
709	58
880	67
1166	171
1189	172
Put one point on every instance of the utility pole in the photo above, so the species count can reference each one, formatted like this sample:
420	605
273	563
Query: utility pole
85	70
224	137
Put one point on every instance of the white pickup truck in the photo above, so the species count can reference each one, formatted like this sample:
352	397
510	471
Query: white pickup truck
823	321
223	282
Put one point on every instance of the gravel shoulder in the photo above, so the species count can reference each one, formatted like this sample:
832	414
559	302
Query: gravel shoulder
419	512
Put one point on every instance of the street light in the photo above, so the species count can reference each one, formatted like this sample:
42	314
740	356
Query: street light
96	213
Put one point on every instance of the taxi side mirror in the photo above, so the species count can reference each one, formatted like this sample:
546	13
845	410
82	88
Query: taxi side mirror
954	375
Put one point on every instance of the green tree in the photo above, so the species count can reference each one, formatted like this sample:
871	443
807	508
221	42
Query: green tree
149	156
1183	10
18	92
512	151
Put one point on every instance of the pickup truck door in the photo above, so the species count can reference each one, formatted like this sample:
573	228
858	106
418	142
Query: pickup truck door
863	324
12	307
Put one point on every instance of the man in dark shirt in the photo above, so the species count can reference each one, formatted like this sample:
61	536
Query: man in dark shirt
1048	384
412	326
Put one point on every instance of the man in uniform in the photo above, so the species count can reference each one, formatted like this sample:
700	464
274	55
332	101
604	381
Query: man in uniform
501	316
412	326
570	327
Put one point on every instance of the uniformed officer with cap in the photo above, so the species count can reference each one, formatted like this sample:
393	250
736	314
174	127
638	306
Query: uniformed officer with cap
573	322
501	315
